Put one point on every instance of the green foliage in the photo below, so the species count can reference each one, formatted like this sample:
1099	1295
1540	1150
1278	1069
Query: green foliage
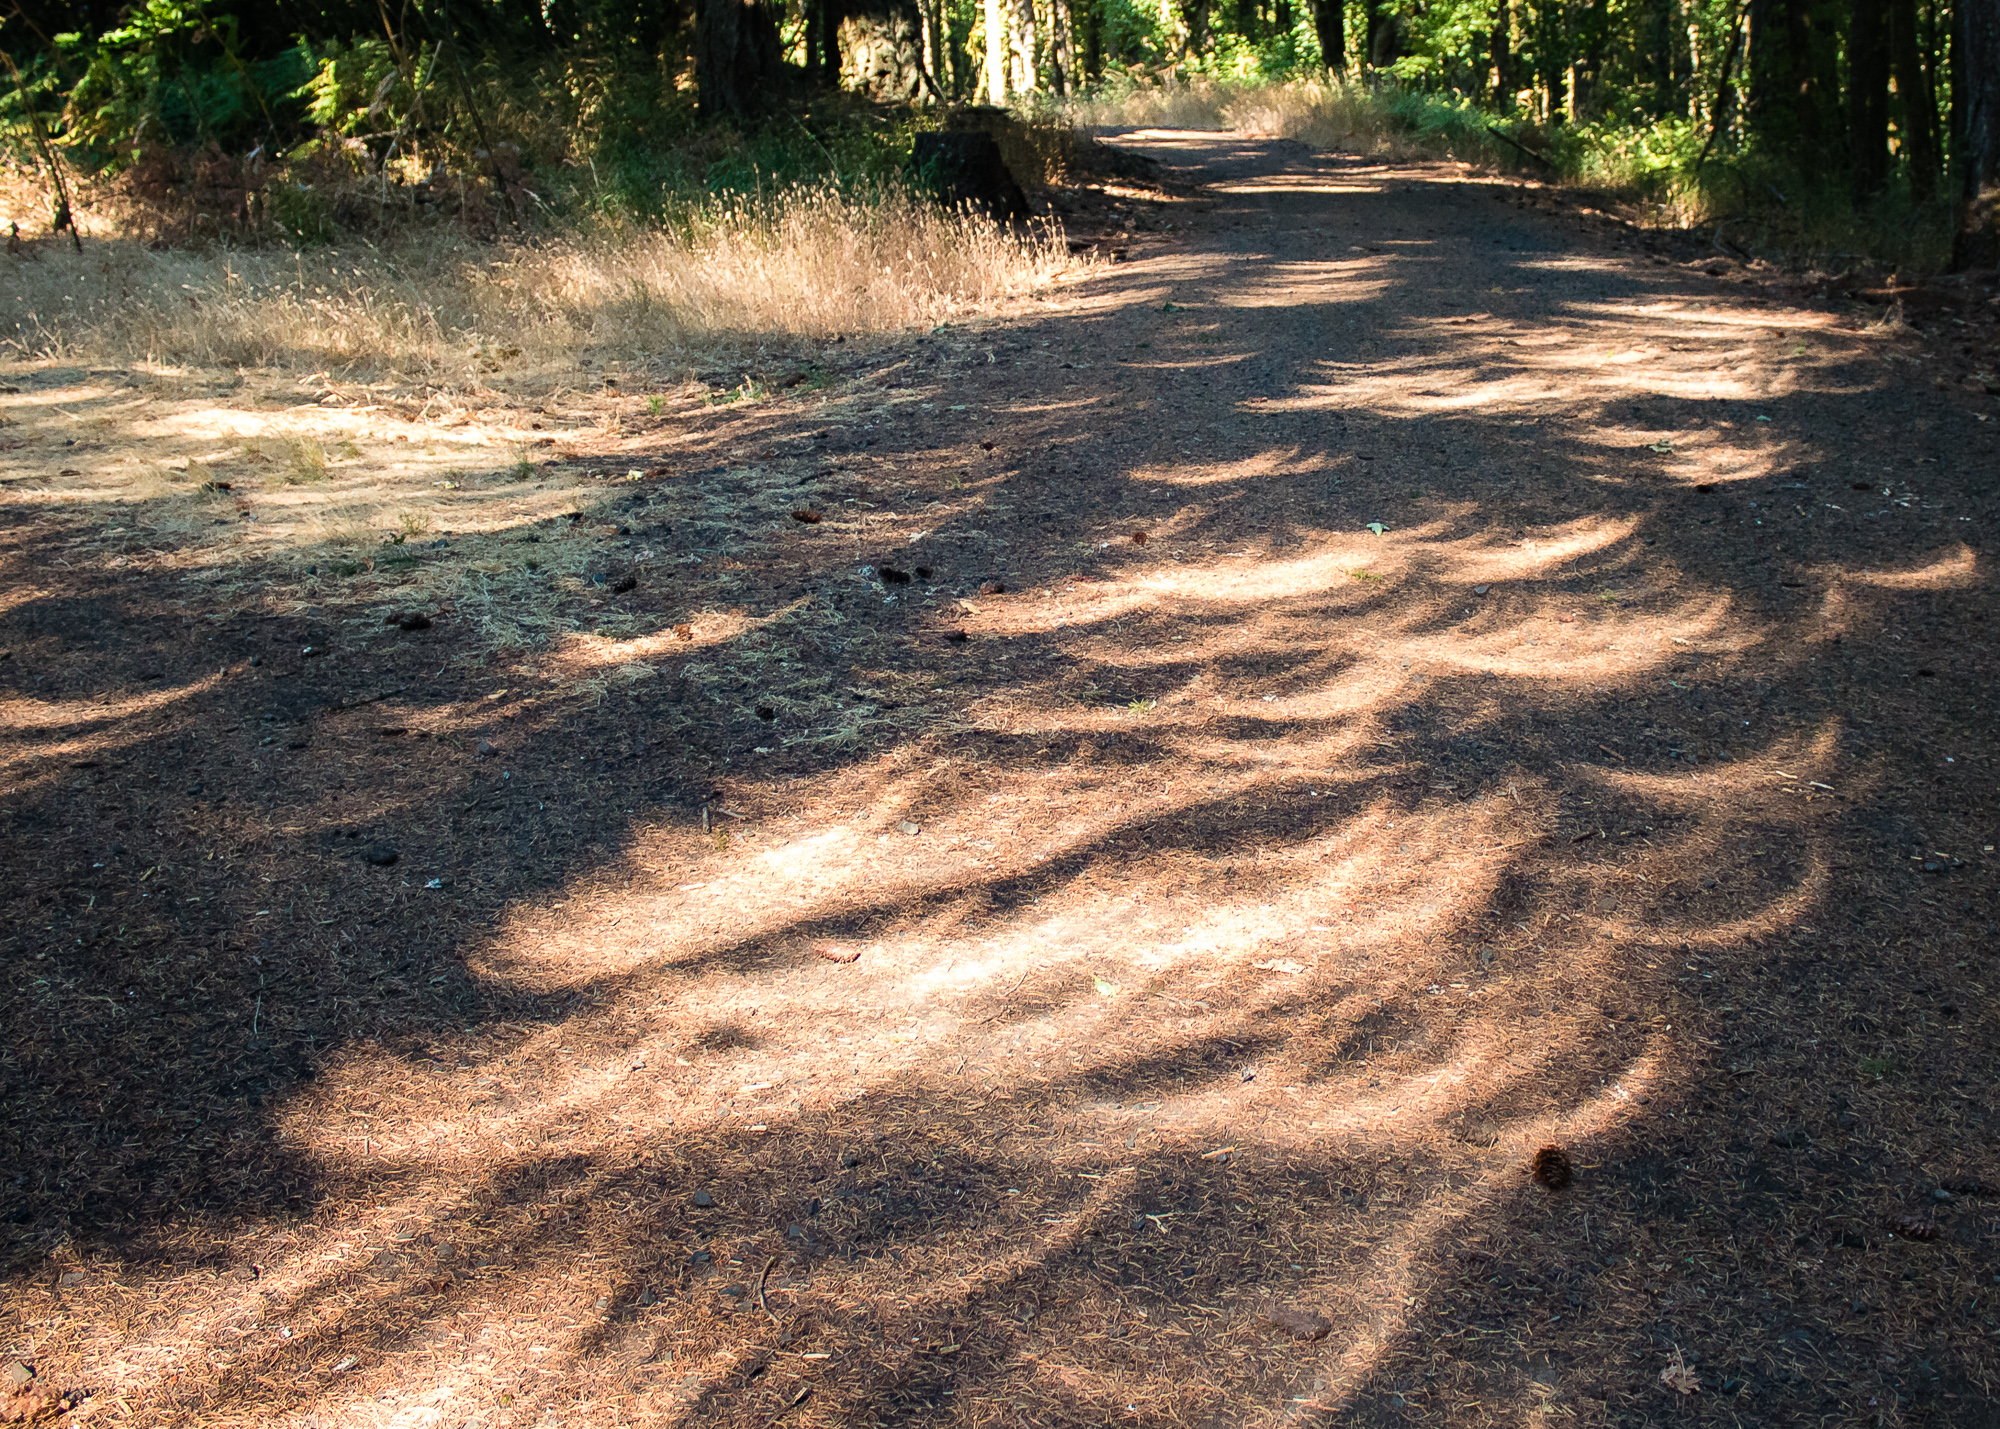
589	104
172	73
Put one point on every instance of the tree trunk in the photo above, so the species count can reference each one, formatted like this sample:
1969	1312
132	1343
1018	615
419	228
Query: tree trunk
737	62
1549	57
1093	40
1501	47
1663	58
996	52
1062	64
1917	110
1977	244
1718	118
882	49
1194	15
1330	24
1783	95
1868	99
826	64
1025	46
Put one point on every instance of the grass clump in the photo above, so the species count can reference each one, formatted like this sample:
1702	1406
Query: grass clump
809	262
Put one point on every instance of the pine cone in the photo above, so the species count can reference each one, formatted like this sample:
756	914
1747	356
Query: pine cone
1552	1168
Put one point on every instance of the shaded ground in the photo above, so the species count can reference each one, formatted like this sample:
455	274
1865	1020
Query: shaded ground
1131	996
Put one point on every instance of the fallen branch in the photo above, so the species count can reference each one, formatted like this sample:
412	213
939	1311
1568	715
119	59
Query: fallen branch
371	700
1505	138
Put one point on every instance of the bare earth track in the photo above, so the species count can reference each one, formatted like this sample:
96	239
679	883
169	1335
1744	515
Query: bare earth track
1460	686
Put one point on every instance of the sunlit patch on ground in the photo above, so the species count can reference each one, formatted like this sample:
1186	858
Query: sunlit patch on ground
921	952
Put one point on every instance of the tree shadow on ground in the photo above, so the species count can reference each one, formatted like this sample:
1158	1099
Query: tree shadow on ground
1142	1009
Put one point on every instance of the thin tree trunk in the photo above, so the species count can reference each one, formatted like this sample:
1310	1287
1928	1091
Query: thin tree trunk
1026	47
1977	74
1093	40
1062	61
1719	113
1194	15
1868	98
1663	73
1502	47
1918	119
1330	24
996	52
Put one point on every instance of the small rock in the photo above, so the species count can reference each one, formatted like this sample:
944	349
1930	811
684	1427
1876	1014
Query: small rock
992	588
1308	1325
703	1200
19	1374
486	749
906	827
73	1277
735	1292
1481	589
1477	1131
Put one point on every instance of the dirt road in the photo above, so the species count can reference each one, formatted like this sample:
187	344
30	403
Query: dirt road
1102	849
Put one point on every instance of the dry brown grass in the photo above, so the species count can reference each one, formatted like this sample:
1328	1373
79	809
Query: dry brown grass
314	418
812	263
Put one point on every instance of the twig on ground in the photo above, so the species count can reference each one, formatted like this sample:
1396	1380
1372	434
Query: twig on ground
762	1275
797	1400
1007	1000
371	700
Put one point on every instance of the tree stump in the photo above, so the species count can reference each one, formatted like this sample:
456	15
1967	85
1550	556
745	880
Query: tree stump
963	166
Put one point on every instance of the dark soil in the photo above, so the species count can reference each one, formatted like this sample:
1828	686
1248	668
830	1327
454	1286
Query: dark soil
1124	966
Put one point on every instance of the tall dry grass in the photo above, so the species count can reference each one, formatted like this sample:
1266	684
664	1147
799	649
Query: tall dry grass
736	275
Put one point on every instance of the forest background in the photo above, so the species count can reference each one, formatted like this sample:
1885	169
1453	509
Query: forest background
1824	130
